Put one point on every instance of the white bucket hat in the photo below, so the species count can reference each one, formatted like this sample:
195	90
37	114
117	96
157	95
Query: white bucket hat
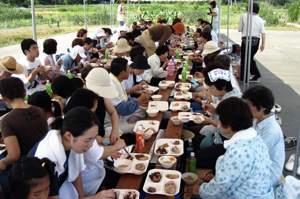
98	80
122	46
210	47
124	28
77	50
101	33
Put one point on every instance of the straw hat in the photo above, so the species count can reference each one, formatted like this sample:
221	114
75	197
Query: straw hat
148	19
122	46
210	47
98	80
9	64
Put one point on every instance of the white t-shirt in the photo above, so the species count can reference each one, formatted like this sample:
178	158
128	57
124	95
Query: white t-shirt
94	173
216	18
120	17
28	68
128	83
258	26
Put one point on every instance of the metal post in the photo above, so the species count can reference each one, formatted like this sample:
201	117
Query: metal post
247	45
250	43
219	19
228	27
84	14
296	156
128	11
33	21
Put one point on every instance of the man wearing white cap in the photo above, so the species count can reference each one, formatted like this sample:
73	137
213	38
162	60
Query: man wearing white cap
8	66
72	60
123	30
34	72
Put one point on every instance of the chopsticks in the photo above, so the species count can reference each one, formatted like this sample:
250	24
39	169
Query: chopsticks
127	153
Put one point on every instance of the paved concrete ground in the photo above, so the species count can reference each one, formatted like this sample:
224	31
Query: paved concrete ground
278	65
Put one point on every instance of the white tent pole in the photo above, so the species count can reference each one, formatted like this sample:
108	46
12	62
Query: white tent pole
128	11
33	21
228	26
247	45
250	43
84	14
219	19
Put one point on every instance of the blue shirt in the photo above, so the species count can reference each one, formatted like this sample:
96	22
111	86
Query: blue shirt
271	133
242	172
68	63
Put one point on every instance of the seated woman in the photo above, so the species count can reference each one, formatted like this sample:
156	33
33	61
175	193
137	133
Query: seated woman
26	184
138	66
98	36
50	48
211	139
158	62
43	100
244	170
94	175
21	128
261	101
63	87
122	48
65	144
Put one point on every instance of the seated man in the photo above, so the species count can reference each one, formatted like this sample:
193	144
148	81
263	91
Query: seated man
34	72
72	60
8	66
129	110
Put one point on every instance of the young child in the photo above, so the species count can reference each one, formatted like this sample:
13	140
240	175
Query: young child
26	184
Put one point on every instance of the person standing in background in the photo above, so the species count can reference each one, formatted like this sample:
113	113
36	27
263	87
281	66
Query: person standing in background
214	14
121	13
257	29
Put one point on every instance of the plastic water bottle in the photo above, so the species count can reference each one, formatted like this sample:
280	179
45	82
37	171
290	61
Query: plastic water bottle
177	53
189	149
140	140
48	88
170	68
173	60
183	76
192	163
69	74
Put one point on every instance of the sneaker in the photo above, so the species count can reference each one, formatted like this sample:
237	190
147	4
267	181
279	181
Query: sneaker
277	108
290	143
254	80
278	120
273	110
289	166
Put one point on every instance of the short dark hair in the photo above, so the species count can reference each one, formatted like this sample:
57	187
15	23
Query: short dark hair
26	44
198	30
164	21
130	36
27	173
255	8
225	60
107	30
220	84
63	86
206	35
202	20
141	19
81	97
175	21
12	88
260	97
50	46
85	71
136	50
76	42
213	3
76	121
209	59
87	41
161	50
81	32
136	33
118	65
235	113
77	82
43	100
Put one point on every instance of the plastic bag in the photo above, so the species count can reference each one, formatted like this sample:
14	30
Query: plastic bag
289	188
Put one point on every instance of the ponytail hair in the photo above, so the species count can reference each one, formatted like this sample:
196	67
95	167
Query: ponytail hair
42	99
27	173
77	121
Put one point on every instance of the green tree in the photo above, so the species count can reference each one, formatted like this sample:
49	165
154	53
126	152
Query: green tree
294	12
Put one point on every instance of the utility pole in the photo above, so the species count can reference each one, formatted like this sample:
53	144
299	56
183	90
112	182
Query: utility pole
84	14
33	21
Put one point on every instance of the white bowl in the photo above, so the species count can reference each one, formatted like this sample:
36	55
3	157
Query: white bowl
156	97
163	87
152	112
185	119
46	68
189	182
176	122
104	61
167	162
185	89
94	64
148	134
120	162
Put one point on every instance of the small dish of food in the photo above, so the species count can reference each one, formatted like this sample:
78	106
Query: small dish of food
167	162
156	97
189	178
122	164
152	112
176	121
